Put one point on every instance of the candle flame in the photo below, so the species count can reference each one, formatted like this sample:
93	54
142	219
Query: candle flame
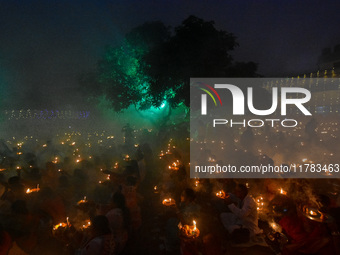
220	194
275	227
311	212
168	202
283	192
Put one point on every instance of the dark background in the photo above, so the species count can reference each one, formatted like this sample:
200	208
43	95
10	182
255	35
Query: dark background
46	45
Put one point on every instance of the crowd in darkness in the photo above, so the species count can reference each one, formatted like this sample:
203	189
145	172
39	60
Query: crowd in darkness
72	204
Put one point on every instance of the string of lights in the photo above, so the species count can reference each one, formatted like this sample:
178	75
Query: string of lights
44	114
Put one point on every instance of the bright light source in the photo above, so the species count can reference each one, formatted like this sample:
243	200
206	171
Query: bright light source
163	105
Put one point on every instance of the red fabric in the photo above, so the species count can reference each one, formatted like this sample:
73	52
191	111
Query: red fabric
6	243
189	248
294	228
55	208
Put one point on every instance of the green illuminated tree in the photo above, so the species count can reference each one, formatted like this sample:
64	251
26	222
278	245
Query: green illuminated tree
151	67
121	78
120	75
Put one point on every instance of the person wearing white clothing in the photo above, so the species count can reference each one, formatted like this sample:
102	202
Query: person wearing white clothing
243	215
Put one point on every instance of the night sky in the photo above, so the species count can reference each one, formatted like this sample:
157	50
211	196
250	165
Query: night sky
46	45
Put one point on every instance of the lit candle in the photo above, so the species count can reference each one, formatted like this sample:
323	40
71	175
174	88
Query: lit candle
260	203
55	160
28	191
169	202
312	213
60	225
174	166
82	201
220	194
189	231
282	191
86	225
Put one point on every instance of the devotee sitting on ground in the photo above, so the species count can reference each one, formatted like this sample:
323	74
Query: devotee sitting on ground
102	241
5	241
52	205
188	209
119	221
129	190
15	190
22	226
306	236
243	215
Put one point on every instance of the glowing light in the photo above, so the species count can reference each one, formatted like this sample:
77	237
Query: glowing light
169	202
221	194
162	105
283	192
28	191
311	212
60	225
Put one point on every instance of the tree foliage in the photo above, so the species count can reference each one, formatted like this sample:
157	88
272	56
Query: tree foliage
152	66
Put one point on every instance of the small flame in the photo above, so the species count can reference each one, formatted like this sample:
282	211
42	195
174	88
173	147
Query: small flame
312	213
276	227
283	192
168	202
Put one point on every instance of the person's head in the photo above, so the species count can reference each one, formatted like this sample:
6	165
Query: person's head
100	225
79	174
50	167
45	193
2	177
188	195
14	181
19	207
63	181
118	200
241	191
35	172
131	181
